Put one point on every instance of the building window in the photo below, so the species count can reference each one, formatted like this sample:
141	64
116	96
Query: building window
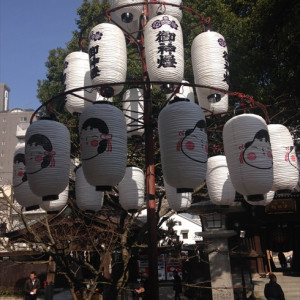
179	223
23	119
185	235
3	143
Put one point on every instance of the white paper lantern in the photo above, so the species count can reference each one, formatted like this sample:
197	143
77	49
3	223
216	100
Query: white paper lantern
133	109
248	154
127	14
218	181
268	198
77	75
183	144
177	201
166	9
286	173
164	51
23	194
132	189
103	141
185	92
55	206
87	198
210	68
47	156
108	58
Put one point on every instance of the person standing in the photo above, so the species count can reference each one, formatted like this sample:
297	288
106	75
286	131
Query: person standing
282	260
32	285
177	286
273	290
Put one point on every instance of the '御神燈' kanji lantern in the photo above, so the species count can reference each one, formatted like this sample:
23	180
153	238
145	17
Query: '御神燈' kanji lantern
133	109
23	194
218	181
47	157
87	198
132	189
164	51
286	173
103	142
249	156
183	144
211	68
77	75
108	58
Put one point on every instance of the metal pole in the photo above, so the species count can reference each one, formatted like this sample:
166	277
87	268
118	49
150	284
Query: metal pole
150	174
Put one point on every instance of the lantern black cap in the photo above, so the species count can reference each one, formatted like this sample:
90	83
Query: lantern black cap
33	207
127	17
50	197
255	198
213	98
184	190
167	88
103	188
107	91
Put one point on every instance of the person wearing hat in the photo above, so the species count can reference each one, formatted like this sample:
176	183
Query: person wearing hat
273	290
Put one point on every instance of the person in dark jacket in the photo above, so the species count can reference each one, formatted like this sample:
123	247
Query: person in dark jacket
273	290
32	285
177	286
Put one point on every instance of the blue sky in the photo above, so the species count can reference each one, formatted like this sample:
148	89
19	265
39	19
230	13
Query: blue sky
28	30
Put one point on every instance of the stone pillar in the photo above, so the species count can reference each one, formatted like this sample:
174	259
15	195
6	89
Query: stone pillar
220	269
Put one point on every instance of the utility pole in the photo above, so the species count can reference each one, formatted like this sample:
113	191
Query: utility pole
150	172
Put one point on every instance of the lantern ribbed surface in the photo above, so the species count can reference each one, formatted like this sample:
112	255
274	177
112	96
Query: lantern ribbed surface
248	154
108	58
132	189
76	75
165	9
87	198
286	173
133	109
177	201
210	67
218	181
47	156
185	92
268	198
56	205
103	141
22	192
183	144
127	14
164	50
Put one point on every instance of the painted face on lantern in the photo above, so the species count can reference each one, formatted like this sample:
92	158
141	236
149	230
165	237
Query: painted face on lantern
194	143
19	169
39	154
290	156
258	153
94	138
